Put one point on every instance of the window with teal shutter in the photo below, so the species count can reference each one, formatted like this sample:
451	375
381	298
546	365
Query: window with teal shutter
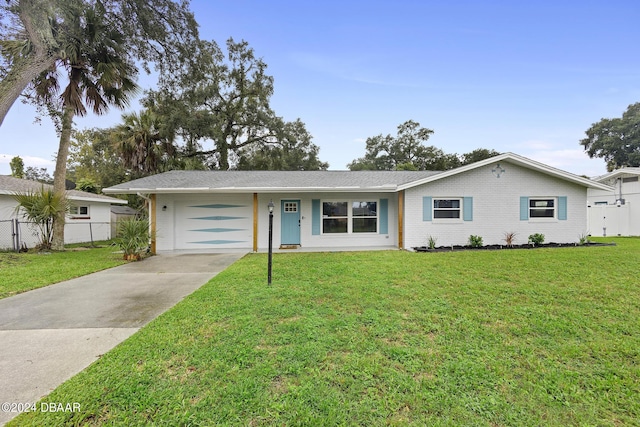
543	208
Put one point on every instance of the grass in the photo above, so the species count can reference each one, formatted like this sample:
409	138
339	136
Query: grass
21	272
505	338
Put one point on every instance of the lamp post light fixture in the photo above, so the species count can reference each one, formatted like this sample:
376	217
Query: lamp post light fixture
270	205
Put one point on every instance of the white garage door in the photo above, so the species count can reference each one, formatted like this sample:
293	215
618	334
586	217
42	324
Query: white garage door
214	223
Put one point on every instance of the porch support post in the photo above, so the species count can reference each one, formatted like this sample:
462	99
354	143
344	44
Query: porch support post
400	219
255	222
152	208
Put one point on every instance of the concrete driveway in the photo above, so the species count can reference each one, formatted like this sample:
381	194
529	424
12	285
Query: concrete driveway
50	334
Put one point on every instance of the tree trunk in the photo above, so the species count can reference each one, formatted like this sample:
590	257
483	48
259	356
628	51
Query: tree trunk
35	16
17	79
60	175
223	159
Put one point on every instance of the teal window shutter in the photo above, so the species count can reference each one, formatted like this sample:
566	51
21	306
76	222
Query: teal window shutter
384	216
315	217
467	208
524	208
427	204
562	208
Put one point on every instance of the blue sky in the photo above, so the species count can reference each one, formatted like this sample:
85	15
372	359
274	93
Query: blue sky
526	77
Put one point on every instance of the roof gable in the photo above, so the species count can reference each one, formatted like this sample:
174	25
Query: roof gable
514	159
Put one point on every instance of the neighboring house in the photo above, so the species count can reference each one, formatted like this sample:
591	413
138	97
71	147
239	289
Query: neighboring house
616	212
89	217
228	210
120	213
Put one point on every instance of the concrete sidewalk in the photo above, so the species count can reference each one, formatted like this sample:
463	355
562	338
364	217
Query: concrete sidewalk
50	334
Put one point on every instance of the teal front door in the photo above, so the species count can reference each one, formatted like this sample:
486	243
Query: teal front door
290	222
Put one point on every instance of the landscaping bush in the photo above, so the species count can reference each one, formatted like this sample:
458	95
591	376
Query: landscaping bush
475	241
536	239
510	238
133	237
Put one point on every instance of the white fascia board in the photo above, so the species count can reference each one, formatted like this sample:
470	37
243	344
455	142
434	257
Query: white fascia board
618	172
267	190
180	190
127	190
111	200
262	190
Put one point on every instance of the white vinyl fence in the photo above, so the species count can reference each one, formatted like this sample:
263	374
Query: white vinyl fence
610	220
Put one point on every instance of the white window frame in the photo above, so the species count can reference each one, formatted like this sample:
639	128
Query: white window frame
459	209
291	207
75	211
543	218
350	216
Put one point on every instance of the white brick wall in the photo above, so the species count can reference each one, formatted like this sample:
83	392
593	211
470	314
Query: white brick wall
496	207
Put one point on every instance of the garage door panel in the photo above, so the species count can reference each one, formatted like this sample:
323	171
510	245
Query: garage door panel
214	225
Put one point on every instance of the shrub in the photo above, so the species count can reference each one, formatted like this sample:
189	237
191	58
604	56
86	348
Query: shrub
431	244
475	241
536	239
583	239
133	237
510	238
43	208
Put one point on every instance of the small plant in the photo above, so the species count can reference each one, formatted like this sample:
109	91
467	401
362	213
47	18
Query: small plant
536	239
583	239
475	241
431	243
510	239
44	208
133	237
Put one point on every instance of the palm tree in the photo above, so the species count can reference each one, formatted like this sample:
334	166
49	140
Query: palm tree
42	208
99	74
144	148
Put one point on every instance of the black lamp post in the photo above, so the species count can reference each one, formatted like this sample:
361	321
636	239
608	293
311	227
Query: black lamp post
270	205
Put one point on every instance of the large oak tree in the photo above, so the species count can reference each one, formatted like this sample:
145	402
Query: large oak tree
617	141
408	151
220	106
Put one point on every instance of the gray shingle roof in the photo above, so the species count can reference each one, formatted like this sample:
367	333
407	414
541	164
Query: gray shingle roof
270	180
10	185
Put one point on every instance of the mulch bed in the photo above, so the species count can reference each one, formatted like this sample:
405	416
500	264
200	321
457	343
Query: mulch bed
505	247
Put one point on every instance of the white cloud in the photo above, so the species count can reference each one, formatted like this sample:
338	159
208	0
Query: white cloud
36	162
570	160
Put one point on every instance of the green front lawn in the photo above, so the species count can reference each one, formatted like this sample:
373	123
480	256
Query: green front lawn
505	338
21	272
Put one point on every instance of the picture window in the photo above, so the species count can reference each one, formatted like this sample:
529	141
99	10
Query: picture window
349	217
